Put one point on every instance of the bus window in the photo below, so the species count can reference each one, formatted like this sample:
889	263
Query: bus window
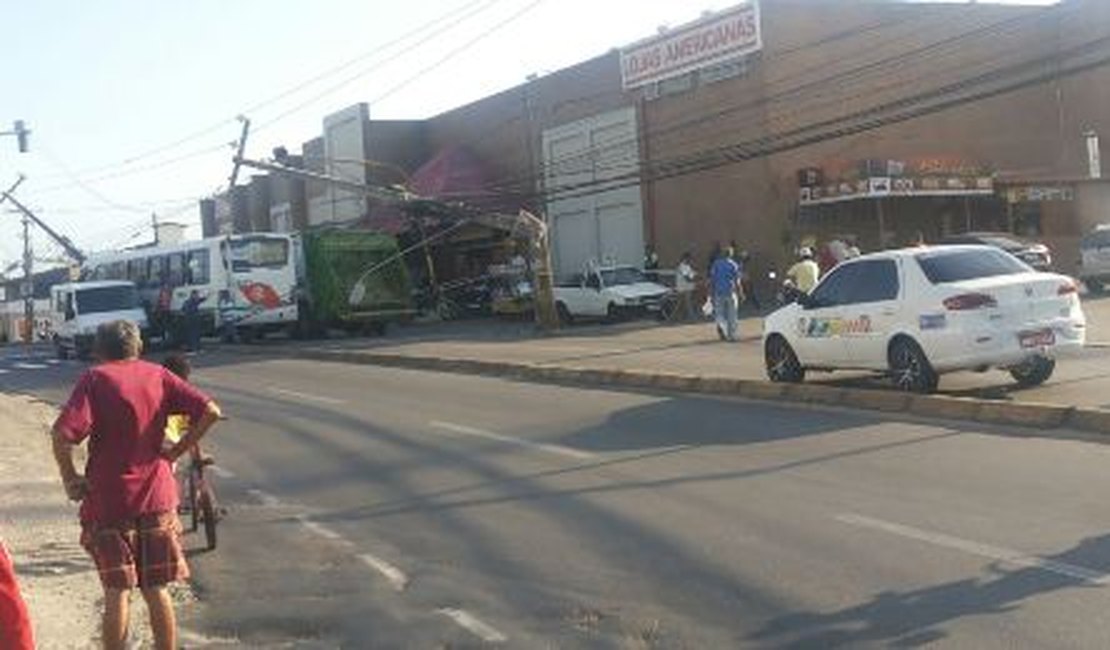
137	272
251	253
176	272
198	272
157	273
117	271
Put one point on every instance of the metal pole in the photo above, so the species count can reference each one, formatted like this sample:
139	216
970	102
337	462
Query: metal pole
28	288
238	154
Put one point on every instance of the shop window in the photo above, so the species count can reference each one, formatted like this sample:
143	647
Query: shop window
1027	219
722	71
676	85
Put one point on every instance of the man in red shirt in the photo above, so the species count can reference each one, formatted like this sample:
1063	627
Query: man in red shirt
128	495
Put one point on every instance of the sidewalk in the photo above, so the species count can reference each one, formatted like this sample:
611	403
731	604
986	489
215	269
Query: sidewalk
695	350
690	359
40	528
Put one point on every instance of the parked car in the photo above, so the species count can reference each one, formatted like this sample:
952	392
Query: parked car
1094	261
1032	253
917	313
613	292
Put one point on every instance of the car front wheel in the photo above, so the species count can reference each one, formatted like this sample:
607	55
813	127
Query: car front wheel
781	362
1033	371
910	369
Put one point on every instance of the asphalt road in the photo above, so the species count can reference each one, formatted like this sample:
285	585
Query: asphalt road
383	508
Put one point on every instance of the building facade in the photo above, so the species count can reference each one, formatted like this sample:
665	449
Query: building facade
777	124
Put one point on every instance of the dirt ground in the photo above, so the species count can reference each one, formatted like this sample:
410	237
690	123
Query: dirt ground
39	526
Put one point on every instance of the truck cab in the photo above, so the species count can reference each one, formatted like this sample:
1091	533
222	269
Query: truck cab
611	292
80	307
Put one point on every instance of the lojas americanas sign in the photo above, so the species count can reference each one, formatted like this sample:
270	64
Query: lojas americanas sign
714	39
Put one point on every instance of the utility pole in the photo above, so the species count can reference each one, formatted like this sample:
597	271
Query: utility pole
28	286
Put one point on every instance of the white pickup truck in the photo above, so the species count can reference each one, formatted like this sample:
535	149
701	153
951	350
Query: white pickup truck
608	292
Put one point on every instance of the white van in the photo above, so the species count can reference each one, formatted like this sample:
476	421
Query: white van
80	307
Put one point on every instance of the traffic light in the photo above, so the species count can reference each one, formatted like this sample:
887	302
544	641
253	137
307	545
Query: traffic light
21	132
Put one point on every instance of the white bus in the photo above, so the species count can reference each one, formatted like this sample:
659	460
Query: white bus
247	281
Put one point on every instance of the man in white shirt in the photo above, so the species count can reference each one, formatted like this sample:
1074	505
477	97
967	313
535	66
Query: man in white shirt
684	286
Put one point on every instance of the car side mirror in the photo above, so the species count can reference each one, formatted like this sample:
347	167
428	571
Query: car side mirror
805	300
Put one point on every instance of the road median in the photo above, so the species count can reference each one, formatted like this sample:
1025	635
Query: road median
970	409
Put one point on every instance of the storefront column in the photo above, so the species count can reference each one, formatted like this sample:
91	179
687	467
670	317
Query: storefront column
882	224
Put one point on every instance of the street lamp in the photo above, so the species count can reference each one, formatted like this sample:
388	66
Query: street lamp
21	132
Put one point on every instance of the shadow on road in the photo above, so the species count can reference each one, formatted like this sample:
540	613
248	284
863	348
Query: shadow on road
917	617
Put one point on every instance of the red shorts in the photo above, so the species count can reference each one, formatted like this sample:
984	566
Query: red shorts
143	552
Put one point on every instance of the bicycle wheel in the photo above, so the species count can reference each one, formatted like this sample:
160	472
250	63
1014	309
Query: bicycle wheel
208	513
194	512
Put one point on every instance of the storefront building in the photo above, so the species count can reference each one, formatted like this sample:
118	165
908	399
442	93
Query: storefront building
794	120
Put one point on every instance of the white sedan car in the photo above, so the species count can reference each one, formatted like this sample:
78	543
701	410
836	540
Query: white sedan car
919	312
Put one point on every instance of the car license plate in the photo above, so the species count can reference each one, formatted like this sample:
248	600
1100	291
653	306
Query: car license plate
1037	338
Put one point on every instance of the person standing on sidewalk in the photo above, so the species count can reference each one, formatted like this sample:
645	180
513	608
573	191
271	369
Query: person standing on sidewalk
128	496
725	282
15	622
684	286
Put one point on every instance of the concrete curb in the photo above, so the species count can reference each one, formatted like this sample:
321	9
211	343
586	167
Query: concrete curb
1024	414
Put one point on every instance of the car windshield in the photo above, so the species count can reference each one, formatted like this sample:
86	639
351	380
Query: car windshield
627	275
943	266
250	253
103	299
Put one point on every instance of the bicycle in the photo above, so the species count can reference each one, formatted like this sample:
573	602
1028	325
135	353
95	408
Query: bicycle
202	500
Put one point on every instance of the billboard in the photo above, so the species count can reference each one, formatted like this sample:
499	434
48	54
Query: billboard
714	39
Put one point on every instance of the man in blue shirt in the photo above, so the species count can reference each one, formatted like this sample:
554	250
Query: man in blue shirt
724	281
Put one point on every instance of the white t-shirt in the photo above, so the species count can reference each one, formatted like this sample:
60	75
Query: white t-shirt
684	277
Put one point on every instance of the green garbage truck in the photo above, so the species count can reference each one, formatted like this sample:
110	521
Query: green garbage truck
354	280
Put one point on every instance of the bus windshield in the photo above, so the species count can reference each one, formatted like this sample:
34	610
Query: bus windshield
101	299
250	253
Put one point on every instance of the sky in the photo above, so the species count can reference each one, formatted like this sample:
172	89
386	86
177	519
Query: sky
133	104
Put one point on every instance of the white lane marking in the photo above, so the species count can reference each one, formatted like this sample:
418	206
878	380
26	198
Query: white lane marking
221	471
318	528
266	498
1001	554
308	397
4	371
489	435
470	623
395	576
30	366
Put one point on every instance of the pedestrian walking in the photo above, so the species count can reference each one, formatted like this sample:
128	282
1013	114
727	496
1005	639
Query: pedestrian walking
15	622
725	284
684	283
128	496
190	310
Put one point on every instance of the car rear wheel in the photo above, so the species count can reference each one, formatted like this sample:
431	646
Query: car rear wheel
781	362
1033	371
910	369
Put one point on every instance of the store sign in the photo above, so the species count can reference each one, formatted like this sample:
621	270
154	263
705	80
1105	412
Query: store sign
714	39
876	178
1039	193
